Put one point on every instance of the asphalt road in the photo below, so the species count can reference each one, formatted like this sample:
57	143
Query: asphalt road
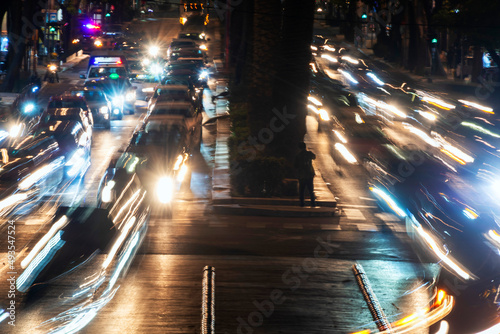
273	275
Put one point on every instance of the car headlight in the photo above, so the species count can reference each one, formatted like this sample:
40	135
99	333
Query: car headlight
98	43
16	130
203	47
130	96
117	100
29	107
107	192
204	74
104	110
52	67
146	61
156	69
165	189
153	50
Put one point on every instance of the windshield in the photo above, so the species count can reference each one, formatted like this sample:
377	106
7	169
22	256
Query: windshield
96	72
186	112
66	104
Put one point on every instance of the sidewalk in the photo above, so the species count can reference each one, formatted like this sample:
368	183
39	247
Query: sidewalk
224	203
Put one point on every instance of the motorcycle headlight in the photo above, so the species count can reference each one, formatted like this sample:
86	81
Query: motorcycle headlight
117	100
203	47
104	110
130	96
165	189
16	130
52	67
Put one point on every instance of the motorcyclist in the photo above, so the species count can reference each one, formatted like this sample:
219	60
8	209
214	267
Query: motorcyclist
52	69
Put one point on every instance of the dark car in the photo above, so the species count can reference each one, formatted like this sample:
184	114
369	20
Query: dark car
119	91
158	153
70	102
29	170
73	142
16	123
78	234
65	114
98	103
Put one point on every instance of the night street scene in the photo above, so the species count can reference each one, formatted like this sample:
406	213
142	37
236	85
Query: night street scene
250	166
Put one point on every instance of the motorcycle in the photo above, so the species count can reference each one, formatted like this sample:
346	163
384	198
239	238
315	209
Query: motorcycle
51	73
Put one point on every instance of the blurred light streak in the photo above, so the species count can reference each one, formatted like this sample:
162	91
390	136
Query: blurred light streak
480	129
118	242
470	214
375	78
438	103
492	330
477	106
340	137
315	101
330	58
349	77
58	225
443	328
345	153
389	200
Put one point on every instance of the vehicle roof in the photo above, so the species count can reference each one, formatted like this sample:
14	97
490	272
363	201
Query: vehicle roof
181	40
66	98
172	87
177	105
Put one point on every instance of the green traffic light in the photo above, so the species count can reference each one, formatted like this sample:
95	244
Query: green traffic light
434	40
114	76
108	14
52	29
364	16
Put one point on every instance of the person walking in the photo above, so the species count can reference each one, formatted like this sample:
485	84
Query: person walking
305	169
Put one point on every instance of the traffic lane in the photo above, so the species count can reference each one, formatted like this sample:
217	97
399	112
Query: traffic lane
254	256
158	32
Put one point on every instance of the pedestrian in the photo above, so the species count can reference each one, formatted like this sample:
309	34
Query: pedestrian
305	169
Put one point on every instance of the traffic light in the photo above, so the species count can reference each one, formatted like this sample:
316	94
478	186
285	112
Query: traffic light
364	16
108	14
434	41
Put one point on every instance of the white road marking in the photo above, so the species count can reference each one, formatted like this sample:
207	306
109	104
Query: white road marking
367	227
387	217
367	199
354	214
397	228
330	227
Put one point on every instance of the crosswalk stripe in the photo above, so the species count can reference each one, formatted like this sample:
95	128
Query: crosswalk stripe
354	214
387	217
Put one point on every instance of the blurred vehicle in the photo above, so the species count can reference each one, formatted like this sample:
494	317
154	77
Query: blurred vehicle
119	91
15	123
74	143
187	53
183	112
178	44
78	234
159	154
29	170
317	44
51	73
64	104
98	103
451	216
66	114
171	93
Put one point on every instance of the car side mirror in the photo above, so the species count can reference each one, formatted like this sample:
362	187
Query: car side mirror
82	76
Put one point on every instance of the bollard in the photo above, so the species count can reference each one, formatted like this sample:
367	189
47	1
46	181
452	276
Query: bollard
208	301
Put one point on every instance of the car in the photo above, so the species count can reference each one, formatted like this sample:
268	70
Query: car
176	44
65	114
159	154
31	169
183	112
70	102
73	142
119	91
171	93
97	101
77	234
187	53
15	123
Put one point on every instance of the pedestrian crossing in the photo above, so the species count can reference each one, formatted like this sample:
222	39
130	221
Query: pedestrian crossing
377	227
